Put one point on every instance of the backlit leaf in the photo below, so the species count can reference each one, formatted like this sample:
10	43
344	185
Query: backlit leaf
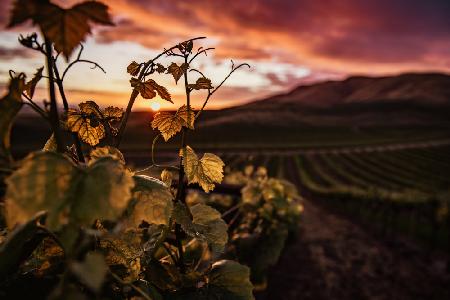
113	113
50	181
229	280
162	91
152	202
133	68
90	108
10	105
149	88
81	124
167	177
104	192
177	70
170	124
50	145
66	28
201	84
30	86
43	182
206	172
206	225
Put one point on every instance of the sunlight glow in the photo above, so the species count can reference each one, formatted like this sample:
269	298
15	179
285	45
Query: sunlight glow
155	106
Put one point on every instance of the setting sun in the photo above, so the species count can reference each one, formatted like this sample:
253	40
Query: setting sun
155	106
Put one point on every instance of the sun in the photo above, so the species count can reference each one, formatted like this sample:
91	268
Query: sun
155	106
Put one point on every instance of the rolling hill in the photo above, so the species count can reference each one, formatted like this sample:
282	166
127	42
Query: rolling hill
403	100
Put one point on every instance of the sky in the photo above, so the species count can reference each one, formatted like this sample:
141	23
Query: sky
287	43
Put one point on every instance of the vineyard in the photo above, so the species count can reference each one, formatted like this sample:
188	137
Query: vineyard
332	200
399	190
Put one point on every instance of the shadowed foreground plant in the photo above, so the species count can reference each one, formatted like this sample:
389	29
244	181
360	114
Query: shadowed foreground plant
80	223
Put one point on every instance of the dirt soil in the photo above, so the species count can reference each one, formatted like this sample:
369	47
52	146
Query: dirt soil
335	258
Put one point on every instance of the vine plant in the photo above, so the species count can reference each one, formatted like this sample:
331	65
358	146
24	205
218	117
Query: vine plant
77	214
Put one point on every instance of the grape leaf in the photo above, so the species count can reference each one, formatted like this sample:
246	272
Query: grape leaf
201	84
90	108
113	113
133	68
160	68
10	105
50	145
167	177
50	181
177	70
91	271
123	253
30	86
170	124
206	225
206	172
149	88
186	47
104	192
80	123
107	151
229	280
66	28
152	202
42	182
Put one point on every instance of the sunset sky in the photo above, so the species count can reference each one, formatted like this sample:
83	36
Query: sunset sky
286	43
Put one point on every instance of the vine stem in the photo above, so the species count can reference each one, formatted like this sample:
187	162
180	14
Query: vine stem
54	118
59	83
210	93
135	93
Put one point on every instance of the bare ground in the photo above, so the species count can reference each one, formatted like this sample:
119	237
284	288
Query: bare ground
334	258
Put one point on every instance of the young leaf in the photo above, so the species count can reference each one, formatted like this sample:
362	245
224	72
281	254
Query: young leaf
229	280
177	70
153	202
106	151
170	124
149	89
91	271
201	84
31	85
10	105
206	225
206	172
160	68
113	113
133	68
186	47
66	28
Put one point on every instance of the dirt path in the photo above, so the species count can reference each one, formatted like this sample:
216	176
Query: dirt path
333	258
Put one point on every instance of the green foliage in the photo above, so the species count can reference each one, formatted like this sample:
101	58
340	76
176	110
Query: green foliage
70	194
206	224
